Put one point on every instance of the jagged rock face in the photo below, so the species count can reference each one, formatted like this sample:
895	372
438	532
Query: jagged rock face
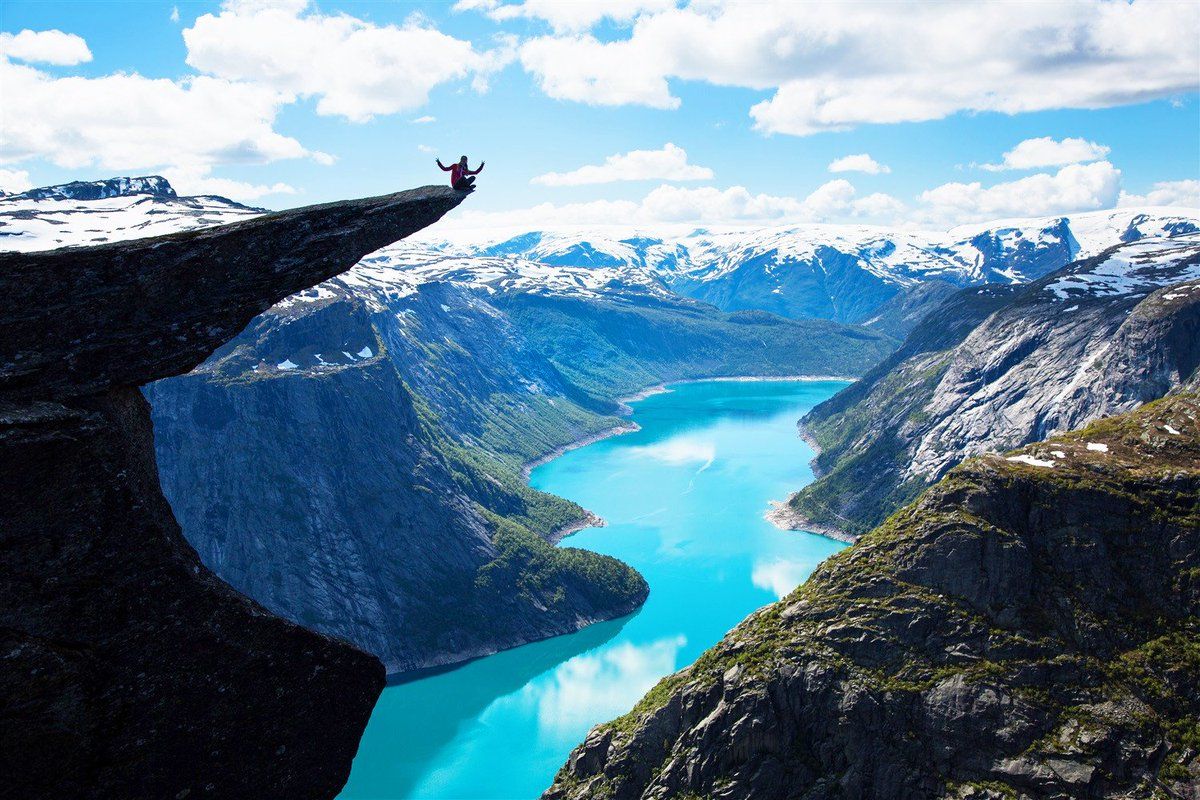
385	539
1095	339
1028	628
129	670
395	547
120	314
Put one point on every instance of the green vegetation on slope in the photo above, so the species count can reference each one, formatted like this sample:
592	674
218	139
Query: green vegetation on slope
609	349
1020	630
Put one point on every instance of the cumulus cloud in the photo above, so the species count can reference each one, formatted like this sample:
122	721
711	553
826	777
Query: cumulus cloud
14	180
355	69
836	65
194	122
584	69
577	15
860	162
45	47
1047	152
668	163
735	205
1166	193
191	181
1076	187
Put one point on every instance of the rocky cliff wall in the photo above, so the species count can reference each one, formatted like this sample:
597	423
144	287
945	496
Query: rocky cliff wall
129	670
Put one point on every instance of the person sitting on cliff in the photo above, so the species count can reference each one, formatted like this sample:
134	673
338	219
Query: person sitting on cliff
461	177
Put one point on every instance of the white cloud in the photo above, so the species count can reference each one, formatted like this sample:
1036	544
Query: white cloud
879	207
355	68
1166	193
840	64
1047	152
14	180
859	162
45	47
669	163
425	120
577	15
1076	187
735	205
608	74
189	181
194	123
424	148
174	13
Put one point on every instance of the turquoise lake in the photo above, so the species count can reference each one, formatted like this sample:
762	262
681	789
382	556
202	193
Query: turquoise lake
684	499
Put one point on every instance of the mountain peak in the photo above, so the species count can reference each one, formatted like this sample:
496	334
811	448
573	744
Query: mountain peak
153	185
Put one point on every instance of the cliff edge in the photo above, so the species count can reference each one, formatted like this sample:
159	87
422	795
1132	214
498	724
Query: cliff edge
128	669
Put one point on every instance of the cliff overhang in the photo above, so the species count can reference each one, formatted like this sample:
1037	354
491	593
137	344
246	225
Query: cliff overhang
129	669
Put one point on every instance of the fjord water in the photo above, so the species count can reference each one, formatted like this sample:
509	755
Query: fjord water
684	499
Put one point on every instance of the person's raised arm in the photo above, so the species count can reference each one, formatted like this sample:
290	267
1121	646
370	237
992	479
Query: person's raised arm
478	169
443	166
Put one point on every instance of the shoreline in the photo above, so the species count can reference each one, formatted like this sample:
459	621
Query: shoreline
784	518
529	466
589	520
592	520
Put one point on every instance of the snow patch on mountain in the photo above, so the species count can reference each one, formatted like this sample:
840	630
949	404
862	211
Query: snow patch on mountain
1136	268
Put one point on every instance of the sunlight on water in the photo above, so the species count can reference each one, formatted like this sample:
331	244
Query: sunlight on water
684	498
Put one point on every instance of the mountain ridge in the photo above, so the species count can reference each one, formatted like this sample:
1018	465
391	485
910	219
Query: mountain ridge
1095	338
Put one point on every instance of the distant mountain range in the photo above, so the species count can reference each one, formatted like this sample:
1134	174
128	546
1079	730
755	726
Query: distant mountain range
845	273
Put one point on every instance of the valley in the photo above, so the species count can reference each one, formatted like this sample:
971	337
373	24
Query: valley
355	460
683	498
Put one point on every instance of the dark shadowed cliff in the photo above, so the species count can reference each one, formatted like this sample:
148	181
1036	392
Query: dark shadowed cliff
129	670
1028	628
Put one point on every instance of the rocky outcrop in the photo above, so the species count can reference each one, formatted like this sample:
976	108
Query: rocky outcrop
129	670
996	368
1029	628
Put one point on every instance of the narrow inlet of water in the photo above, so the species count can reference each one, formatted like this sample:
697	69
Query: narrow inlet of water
684	499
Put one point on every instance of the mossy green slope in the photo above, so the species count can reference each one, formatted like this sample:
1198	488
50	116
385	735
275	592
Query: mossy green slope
1029	627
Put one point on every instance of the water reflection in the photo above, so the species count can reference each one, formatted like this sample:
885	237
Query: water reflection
415	719
601	685
780	576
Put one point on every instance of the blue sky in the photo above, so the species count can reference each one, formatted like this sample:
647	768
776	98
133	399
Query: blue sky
562	93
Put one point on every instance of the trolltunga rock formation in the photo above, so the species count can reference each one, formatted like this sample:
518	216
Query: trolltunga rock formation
127	669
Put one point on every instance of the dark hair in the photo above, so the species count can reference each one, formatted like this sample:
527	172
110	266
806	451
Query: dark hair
462	158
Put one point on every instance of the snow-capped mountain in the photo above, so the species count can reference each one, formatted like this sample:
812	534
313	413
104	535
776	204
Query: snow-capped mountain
839	272
87	213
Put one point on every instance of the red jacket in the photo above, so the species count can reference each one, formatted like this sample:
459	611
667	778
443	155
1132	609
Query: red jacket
457	171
